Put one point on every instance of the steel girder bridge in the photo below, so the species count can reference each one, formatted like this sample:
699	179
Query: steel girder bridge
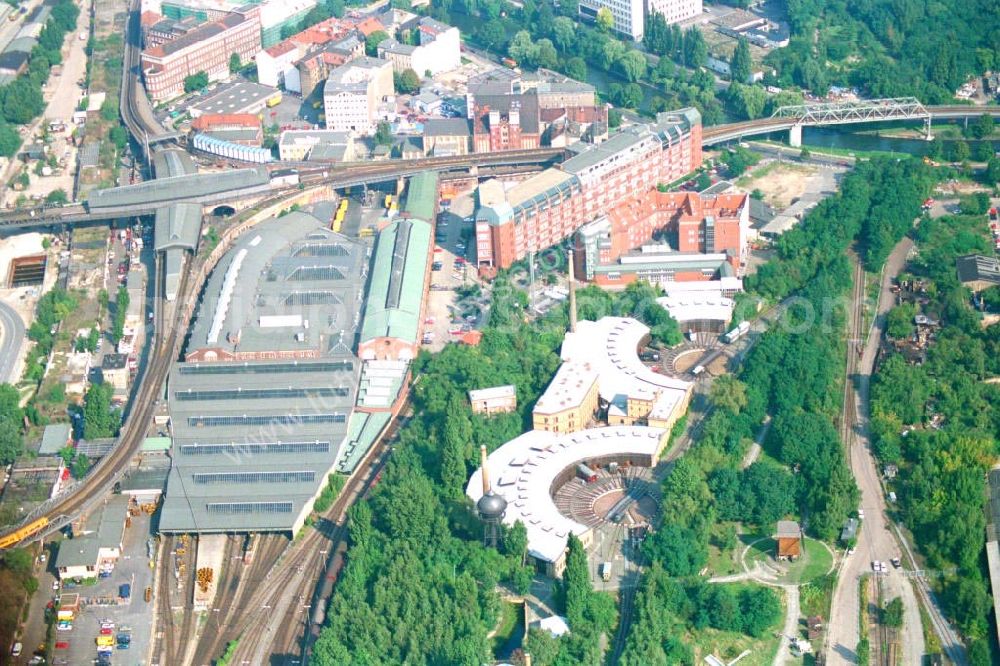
794	118
845	113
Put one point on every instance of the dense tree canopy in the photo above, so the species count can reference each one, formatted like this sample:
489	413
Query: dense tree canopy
940	423
894	49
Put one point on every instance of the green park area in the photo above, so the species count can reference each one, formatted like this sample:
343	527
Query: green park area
815	562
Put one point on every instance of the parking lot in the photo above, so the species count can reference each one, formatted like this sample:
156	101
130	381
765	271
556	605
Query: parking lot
447	316
133	616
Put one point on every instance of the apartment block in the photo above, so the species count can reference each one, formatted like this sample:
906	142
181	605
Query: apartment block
545	209
353	93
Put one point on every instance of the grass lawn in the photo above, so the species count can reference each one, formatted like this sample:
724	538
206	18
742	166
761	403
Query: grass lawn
815	562
727	645
507	624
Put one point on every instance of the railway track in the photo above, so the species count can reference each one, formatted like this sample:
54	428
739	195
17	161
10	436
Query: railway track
278	614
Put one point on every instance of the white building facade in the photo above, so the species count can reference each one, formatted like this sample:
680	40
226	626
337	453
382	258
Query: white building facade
353	93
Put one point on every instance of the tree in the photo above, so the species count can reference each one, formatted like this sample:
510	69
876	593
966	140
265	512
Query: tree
892	614
729	393
11	442
234	63
98	419
373	40
576	68
195	82
563	33
491	34
521	47
121	311
569	8
22	101
695	49
679	550
545	54
805	154
633	65
899	321
992	167
746	101
605	21
740	65
960	151
119	137
983	127
10	140
383	133
407	82
974	204
81	465
57	197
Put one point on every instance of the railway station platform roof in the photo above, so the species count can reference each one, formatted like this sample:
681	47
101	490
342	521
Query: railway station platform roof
178	188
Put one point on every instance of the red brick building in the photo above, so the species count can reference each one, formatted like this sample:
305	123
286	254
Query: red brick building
206	48
664	237
551	206
505	122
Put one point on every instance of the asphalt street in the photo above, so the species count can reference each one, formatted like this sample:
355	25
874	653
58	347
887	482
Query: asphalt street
11	338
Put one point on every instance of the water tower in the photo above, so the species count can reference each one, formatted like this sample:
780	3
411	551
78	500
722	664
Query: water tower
491	507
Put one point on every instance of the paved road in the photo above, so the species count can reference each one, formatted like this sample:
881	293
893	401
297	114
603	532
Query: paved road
11	338
791	628
875	540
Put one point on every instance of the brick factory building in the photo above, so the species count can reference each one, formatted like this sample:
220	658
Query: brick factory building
549	207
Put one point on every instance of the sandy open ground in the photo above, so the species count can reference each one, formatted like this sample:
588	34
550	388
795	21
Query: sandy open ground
780	182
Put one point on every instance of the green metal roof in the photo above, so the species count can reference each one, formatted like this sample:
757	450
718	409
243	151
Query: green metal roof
156	444
421	195
397	281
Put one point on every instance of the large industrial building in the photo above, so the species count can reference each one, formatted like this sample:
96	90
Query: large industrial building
602	378
261	406
600	382
536	213
400	278
665	237
528	469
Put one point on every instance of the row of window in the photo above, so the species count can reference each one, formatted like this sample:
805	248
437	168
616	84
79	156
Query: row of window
262	394
265	368
255	448
273	419
211	478
232	508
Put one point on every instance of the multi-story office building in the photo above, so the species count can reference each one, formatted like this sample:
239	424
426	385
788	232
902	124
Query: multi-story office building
675	11
353	92
628	15
206	48
544	209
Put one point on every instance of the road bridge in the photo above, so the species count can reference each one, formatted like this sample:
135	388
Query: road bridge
794	118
